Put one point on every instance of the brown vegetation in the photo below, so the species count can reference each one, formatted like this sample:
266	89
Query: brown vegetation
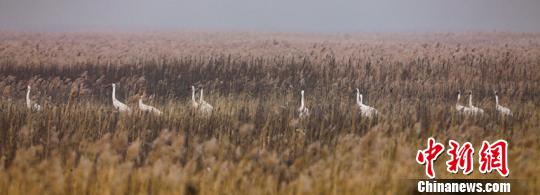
254	143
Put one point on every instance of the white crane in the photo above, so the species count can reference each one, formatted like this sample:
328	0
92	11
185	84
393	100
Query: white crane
459	107
117	104
303	110
501	109
29	104
148	108
463	109
194	103
365	110
473	110
204	106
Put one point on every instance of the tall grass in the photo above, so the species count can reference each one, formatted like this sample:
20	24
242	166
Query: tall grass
254	143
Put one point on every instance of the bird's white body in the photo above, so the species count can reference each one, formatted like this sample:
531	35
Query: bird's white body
504	111
464	109
365	110
148	108
469	111
194	103
117	104
501	109
204	106
472	109
303	110
29	104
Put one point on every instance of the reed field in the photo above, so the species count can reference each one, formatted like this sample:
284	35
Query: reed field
254	141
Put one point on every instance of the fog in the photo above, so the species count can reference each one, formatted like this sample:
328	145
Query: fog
272	15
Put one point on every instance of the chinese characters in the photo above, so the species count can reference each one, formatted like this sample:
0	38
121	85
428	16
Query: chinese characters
491	157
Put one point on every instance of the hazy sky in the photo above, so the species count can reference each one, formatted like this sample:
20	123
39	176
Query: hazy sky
272	15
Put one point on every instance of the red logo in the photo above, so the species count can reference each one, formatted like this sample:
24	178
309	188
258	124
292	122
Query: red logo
494	156
429	155
491	157
460	157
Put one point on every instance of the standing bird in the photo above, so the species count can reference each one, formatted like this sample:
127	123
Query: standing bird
365	110
501	109
29	104
194	103
303	110
463	109
117	104
459	107
148	108
204	106
473	110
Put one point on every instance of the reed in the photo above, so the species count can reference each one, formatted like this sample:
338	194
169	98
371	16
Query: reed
254	142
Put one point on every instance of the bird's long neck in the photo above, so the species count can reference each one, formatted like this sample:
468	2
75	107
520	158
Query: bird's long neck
458	97
193	94
302	101
496	100
140	102
201	99
114	92
359	98
470	100
28	102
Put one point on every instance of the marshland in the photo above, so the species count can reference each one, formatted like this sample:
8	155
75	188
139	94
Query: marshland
254	141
